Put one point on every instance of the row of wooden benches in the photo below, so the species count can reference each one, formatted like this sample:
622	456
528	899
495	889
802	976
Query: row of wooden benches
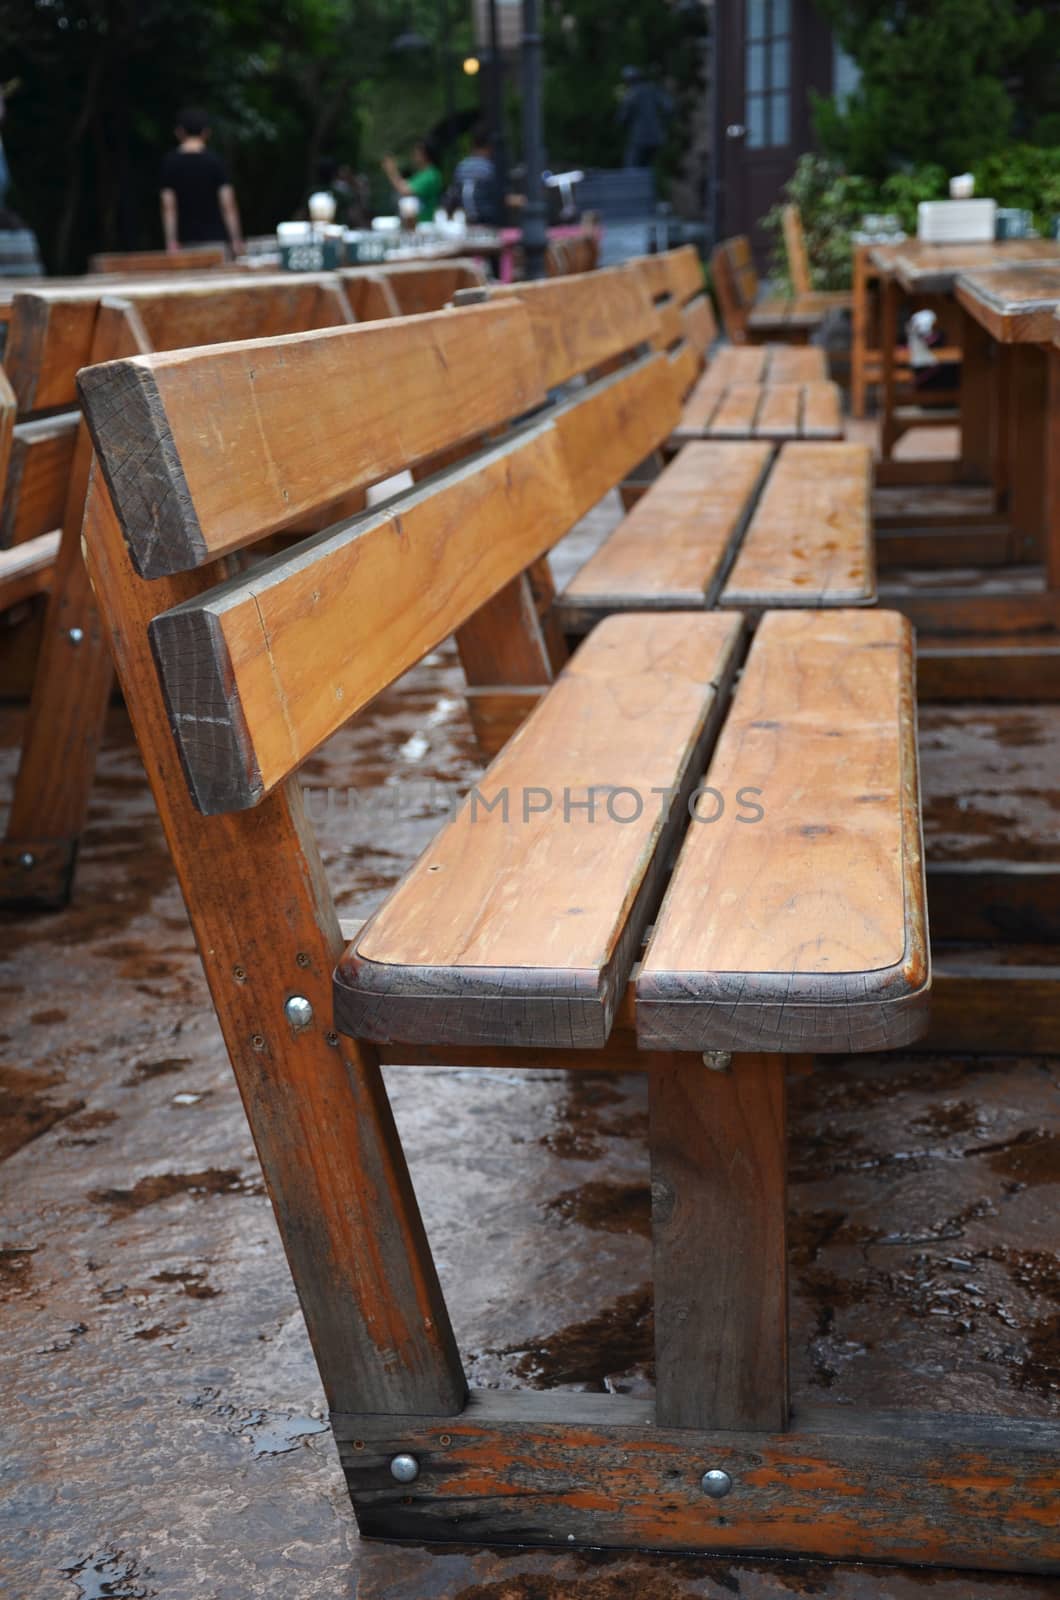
579	906
581	325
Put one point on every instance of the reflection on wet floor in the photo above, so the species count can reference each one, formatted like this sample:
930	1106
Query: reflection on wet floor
165	1434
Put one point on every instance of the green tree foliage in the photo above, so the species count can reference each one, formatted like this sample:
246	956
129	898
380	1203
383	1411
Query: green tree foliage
285	81
945	81
587	43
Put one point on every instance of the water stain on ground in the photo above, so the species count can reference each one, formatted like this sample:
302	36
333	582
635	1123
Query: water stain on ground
108	1575
26	1110
192	1280
16	1269
164	1185
595	1354
144	1070
1029	1159
608	1207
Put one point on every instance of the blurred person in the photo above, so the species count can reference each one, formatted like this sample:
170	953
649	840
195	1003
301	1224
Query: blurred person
426	183
198	201
474	187
644	112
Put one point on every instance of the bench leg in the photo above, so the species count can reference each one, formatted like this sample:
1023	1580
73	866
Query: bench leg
64	726
718	1155
888	341
976	383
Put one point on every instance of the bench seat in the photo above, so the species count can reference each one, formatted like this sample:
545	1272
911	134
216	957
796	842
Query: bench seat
760	410
809	924
521	923
737	524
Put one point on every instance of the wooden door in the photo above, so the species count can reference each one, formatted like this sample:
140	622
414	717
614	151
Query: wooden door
771	53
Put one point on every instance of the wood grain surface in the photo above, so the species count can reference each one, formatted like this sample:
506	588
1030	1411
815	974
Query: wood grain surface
208	451
805	928
809	541
519	925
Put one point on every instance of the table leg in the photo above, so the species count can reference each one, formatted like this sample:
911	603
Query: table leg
976	373
1027	443
718	1152
888	342
1052	475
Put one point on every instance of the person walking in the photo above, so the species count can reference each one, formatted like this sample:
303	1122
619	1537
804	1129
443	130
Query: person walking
426	183
198	200
474	187
644	112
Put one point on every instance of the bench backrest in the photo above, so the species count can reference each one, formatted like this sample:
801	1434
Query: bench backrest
735	284
411	287
192	258
795	249
208	452
687	326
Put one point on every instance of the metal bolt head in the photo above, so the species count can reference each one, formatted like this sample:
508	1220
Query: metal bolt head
27	859
716	1483
298	1011
717	1060
75	635
406	1469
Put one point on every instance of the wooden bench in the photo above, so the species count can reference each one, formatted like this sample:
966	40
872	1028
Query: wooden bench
763	392
520	940
713	513
747	318
191	258
799	269
54	333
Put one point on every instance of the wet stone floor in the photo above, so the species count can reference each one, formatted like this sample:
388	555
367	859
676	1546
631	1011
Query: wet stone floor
162	1431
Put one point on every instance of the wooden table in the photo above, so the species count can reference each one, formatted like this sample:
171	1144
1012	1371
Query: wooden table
1014	308
930	271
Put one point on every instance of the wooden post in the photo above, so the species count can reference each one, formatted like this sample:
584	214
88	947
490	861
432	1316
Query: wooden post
888	343
64	725
1052	474
1030	397
719	1162
859	333
977	371
267	930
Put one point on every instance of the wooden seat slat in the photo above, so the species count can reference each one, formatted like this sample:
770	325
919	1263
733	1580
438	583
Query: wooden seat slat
672	550
736	414
524	931
181	500
795	363
233	662
809	542
822	416
742	410
806	929
779	412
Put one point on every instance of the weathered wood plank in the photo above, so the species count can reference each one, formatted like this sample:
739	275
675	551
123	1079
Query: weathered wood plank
809	542
719	1226
561	1468
207	451
266	928
245	709
521	921
828	950
675	546
27	569
608	428
38	476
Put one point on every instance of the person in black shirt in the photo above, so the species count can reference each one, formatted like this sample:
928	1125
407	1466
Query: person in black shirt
198	201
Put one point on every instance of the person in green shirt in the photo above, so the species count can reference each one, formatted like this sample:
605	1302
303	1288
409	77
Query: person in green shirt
426	182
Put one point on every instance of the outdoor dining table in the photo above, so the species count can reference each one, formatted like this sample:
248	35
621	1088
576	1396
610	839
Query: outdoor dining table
918	269
1015	308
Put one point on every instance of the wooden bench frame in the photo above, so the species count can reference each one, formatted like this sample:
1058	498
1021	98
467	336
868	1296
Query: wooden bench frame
55	332
714	1463
747	319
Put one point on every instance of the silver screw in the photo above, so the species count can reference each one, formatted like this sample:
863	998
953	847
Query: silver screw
716	1483
406	1469
298	1011
27	859
717	1060
75	635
